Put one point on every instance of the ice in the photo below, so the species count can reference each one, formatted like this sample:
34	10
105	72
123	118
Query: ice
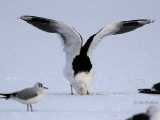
123	63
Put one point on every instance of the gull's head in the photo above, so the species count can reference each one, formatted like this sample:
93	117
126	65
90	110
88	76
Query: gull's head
81	88
153	110
40	86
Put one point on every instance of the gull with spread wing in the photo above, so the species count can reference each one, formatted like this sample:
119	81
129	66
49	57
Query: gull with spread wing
78	69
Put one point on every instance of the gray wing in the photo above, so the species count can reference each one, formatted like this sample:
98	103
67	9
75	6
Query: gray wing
71	39
25	94
116	28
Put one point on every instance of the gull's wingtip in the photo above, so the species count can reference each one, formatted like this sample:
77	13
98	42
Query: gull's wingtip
19	17
146	21
151	21
25	17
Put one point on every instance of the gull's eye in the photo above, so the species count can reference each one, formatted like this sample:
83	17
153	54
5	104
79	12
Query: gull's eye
39	85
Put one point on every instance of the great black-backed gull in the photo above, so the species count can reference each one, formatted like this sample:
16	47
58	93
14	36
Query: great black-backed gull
78	69
27	96
154	90
153	113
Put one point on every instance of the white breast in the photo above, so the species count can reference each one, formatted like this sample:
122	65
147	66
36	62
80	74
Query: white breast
84	77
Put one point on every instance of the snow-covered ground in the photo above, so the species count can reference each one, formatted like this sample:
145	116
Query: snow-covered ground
123	63
107	100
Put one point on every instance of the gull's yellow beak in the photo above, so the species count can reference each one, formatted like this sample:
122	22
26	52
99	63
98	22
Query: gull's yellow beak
82	89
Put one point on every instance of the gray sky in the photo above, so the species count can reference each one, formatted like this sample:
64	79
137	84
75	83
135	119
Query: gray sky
27	51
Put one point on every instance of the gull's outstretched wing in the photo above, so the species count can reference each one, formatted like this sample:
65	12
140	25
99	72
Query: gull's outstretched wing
71	39
113	29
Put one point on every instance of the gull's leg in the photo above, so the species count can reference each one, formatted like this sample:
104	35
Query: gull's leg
31	108
71	90
87	92
27	107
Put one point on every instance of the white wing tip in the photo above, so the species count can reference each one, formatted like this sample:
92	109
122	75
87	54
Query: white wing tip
150	21
25	17
18	17
146	21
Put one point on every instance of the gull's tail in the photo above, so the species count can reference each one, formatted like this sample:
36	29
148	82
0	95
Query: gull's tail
6	96
148	91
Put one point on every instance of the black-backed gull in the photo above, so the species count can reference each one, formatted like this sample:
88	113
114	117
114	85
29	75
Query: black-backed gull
78	69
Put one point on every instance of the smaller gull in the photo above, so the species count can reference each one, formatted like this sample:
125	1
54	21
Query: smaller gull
154	90
27	96
153	113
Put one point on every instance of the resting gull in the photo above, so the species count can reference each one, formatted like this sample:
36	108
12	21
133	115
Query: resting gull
27	96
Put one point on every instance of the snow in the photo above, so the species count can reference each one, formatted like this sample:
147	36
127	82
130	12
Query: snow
107	100
122	63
